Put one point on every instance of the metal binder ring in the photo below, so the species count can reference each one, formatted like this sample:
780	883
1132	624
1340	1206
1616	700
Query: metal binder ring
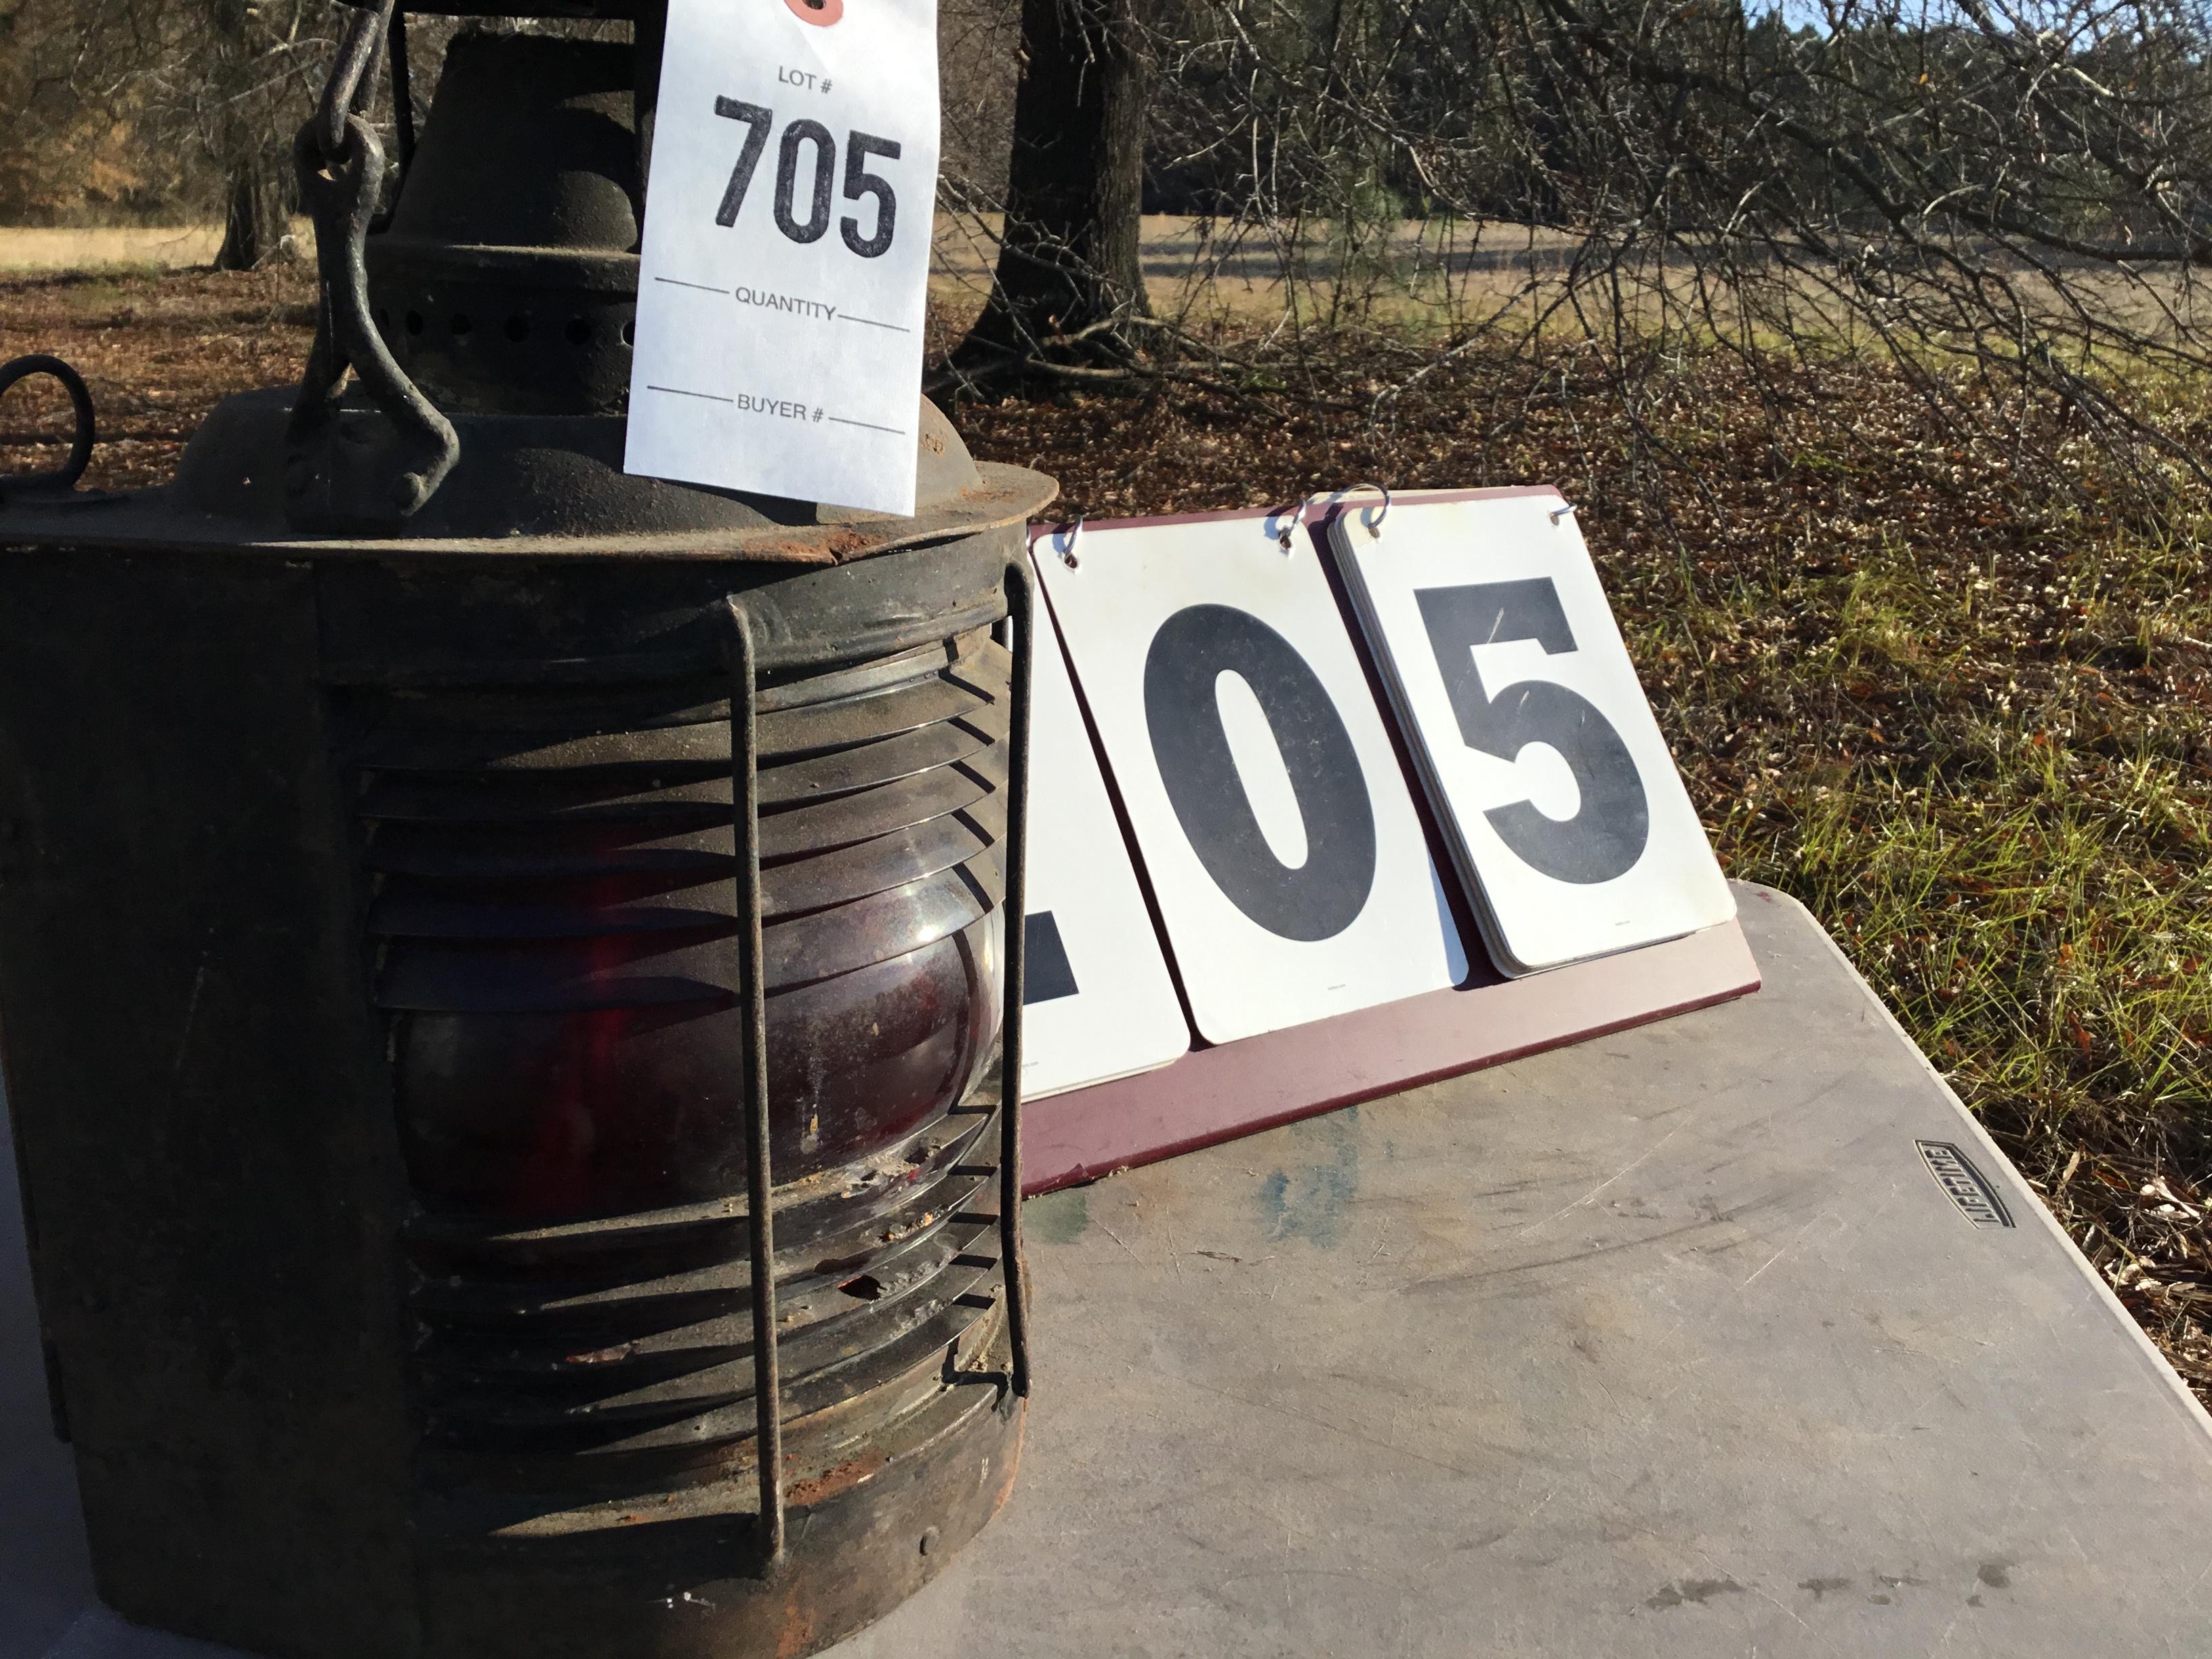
1067	553
1297	517
1376	527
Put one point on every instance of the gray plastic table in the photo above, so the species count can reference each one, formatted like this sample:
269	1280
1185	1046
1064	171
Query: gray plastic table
1671	1344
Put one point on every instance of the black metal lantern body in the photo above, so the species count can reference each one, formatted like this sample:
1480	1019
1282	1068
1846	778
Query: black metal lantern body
426	925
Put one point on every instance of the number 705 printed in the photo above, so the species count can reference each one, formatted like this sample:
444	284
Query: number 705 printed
805	134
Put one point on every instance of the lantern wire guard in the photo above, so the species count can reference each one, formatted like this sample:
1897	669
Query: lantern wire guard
744	746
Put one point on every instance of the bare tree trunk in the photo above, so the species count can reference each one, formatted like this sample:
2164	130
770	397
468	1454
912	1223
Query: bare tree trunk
1071	270
255	224
254	154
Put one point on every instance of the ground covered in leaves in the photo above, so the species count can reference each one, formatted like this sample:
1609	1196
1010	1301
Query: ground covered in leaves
1962	709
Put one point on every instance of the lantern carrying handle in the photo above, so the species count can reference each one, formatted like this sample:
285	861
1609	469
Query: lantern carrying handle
59	480
342	473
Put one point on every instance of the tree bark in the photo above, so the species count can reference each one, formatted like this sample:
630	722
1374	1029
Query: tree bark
254	154
255	224
1070	269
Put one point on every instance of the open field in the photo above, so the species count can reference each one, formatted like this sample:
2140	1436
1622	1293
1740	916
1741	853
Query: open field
1969	725
1201	270
1417	276
1189	267
24	248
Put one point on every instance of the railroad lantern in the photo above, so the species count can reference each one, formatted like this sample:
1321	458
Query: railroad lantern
506	984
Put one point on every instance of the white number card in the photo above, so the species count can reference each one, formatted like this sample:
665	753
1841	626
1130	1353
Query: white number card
1292	873
791	200
1097	1000
1566	817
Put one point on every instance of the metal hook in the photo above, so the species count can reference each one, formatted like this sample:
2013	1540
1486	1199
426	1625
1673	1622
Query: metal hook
1374	529
1567	510
1297	517
1067	553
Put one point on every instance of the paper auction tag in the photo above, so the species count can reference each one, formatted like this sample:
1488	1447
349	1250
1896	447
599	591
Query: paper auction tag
785	258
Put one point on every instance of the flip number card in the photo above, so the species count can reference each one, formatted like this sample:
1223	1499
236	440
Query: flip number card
1098	1000
1566	814
786	259
1283	845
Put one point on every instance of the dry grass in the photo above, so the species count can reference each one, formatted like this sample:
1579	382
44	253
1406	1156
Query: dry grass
1422	273
1971	729
24	248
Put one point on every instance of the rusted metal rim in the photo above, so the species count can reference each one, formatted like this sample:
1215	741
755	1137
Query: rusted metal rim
543	486
880	1511
1005	496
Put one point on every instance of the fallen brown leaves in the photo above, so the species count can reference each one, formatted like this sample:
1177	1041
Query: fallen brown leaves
157	350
